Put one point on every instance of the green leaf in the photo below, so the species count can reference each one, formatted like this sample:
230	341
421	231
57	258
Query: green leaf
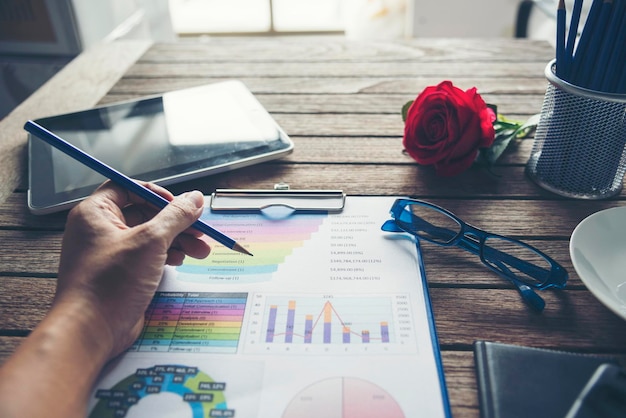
505	132
528	126
405	109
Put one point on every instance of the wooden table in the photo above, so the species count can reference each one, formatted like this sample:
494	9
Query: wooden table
340	101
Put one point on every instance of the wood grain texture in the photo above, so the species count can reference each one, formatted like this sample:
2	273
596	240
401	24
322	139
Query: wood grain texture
338	49
573	319
410	86
340	101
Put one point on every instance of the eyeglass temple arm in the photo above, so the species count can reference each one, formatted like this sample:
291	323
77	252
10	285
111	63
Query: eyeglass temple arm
531	297
521	265
473	246
469	244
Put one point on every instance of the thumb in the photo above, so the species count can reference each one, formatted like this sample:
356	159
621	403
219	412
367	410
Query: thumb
178	215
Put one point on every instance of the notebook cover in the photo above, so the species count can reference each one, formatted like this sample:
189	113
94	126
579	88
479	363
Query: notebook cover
516	381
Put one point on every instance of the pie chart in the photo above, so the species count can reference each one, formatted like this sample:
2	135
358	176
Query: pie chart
343	397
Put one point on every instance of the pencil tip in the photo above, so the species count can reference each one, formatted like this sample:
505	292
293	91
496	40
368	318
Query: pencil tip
242	250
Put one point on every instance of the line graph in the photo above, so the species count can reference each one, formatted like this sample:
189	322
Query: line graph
341	323
324	320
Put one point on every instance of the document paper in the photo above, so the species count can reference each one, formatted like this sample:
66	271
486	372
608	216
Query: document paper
329	318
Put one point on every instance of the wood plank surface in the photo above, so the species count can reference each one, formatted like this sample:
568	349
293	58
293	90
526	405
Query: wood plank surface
340	101
410	86
535	218
471	314
338	49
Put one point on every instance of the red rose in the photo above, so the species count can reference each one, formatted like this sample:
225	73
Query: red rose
445	126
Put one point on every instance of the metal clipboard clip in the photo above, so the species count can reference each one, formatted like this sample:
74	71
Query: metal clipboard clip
281	201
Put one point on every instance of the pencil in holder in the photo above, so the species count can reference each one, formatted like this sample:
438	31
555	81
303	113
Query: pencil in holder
579	149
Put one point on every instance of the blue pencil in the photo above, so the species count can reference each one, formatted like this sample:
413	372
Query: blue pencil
124	181
561	64
572	35
621	85
597	39
616	61
606	48
583	43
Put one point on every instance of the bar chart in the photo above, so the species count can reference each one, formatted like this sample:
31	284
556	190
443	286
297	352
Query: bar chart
341	323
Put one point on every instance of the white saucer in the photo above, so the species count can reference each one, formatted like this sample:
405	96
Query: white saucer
598	251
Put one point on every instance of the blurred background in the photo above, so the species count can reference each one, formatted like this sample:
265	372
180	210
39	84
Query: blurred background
38	37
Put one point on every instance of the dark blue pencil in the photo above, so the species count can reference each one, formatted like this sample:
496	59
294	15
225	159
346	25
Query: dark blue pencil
561	64
621	85
597	38
616	62
572	35
606	48
124	181
583	43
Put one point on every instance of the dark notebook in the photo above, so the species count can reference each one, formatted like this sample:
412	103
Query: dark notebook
516	381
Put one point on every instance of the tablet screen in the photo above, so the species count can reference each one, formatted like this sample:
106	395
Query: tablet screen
173	137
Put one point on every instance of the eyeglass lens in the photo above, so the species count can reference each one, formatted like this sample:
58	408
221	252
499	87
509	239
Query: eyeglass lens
430	223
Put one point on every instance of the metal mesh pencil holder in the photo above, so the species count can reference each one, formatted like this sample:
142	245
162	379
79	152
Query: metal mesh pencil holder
579	143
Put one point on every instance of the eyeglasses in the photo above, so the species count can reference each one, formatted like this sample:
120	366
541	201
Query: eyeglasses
521	264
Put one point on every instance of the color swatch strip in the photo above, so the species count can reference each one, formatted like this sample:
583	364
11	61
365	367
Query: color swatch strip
270	240
193	322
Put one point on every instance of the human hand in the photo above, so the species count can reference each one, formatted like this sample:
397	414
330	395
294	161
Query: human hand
114	250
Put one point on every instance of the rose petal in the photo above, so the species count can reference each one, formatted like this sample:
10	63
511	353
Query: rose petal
446	126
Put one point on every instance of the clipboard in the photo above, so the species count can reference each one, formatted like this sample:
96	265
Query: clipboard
317	201
331	315
281	199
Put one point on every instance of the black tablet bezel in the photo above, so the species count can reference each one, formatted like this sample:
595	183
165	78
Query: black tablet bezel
42	197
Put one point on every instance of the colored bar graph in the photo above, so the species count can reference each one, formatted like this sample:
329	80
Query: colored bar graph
308	329
192	322
328	316
384	332
271	325
291	314
327	320
346	335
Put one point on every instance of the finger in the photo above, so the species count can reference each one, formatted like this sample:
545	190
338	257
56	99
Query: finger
122	197
177	216
138	214
192	246
161	191
174	257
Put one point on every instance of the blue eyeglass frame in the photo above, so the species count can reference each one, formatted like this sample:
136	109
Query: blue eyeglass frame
472	239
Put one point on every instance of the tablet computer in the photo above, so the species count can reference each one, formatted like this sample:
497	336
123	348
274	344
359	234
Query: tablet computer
176	136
